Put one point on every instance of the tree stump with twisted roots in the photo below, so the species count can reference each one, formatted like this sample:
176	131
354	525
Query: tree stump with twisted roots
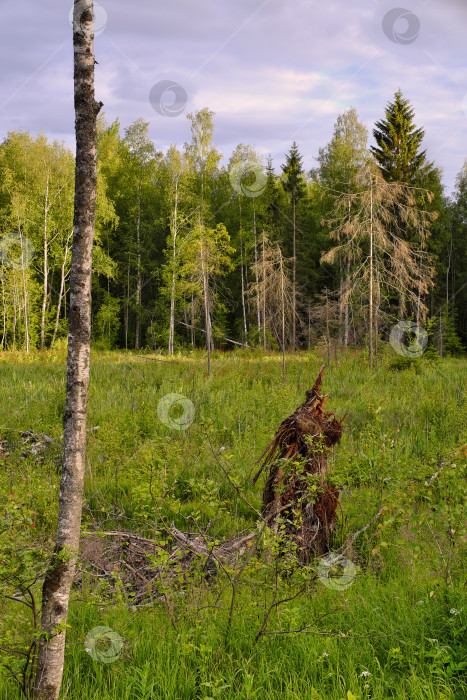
298	502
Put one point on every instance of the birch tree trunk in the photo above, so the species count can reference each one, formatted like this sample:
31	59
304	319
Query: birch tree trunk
15	306
258	312
127	305
45	286
59	577
370	324
4	339
174	265
61	292
328	337
192	321
25	292
207	309
264	299
25	288
245	328
138	277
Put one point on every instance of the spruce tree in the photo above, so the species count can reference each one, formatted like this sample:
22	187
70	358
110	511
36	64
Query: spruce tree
400	158
294	185
398	141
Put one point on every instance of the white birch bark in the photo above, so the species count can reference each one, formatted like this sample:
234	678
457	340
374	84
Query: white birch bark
59	577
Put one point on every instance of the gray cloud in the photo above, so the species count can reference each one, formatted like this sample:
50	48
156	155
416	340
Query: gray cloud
272	71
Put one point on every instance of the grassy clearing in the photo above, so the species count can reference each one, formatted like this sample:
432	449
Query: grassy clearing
402	428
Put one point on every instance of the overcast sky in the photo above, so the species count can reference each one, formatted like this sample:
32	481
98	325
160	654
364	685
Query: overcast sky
273	71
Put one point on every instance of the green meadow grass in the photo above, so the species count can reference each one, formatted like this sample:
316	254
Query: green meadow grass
401	638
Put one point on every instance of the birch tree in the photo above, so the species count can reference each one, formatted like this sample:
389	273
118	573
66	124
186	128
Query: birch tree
173	170
141	163
59	576
207	257
339	162
247	179
203	158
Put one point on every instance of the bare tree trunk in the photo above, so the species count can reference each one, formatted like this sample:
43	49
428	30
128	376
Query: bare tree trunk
207	311
15	306
60	294
45	268
258	312
377	308
25	288
328	337
370	324
283	317
174	259
138	277
25	292
127	305
245	328
264	298
294	300
192	321
346	306
341	294
59	576
172	315
419	294
448	267
3	345
440	345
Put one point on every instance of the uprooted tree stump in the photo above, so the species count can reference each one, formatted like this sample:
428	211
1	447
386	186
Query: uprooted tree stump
298	503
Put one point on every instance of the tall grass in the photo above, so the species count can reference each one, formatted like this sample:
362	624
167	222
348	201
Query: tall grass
402	640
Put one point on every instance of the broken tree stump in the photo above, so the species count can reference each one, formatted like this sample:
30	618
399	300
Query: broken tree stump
297	500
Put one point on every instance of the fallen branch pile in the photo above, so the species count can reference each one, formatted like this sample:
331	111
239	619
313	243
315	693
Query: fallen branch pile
146	567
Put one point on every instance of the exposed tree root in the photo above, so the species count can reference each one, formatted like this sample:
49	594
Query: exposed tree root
298	504
297	500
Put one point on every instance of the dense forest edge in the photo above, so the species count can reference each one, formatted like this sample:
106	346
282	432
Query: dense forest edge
190	253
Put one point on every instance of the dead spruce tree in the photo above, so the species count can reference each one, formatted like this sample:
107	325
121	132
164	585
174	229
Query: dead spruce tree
381	230
59	576
272	290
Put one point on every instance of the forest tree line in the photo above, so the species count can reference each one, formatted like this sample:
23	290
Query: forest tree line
190	252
